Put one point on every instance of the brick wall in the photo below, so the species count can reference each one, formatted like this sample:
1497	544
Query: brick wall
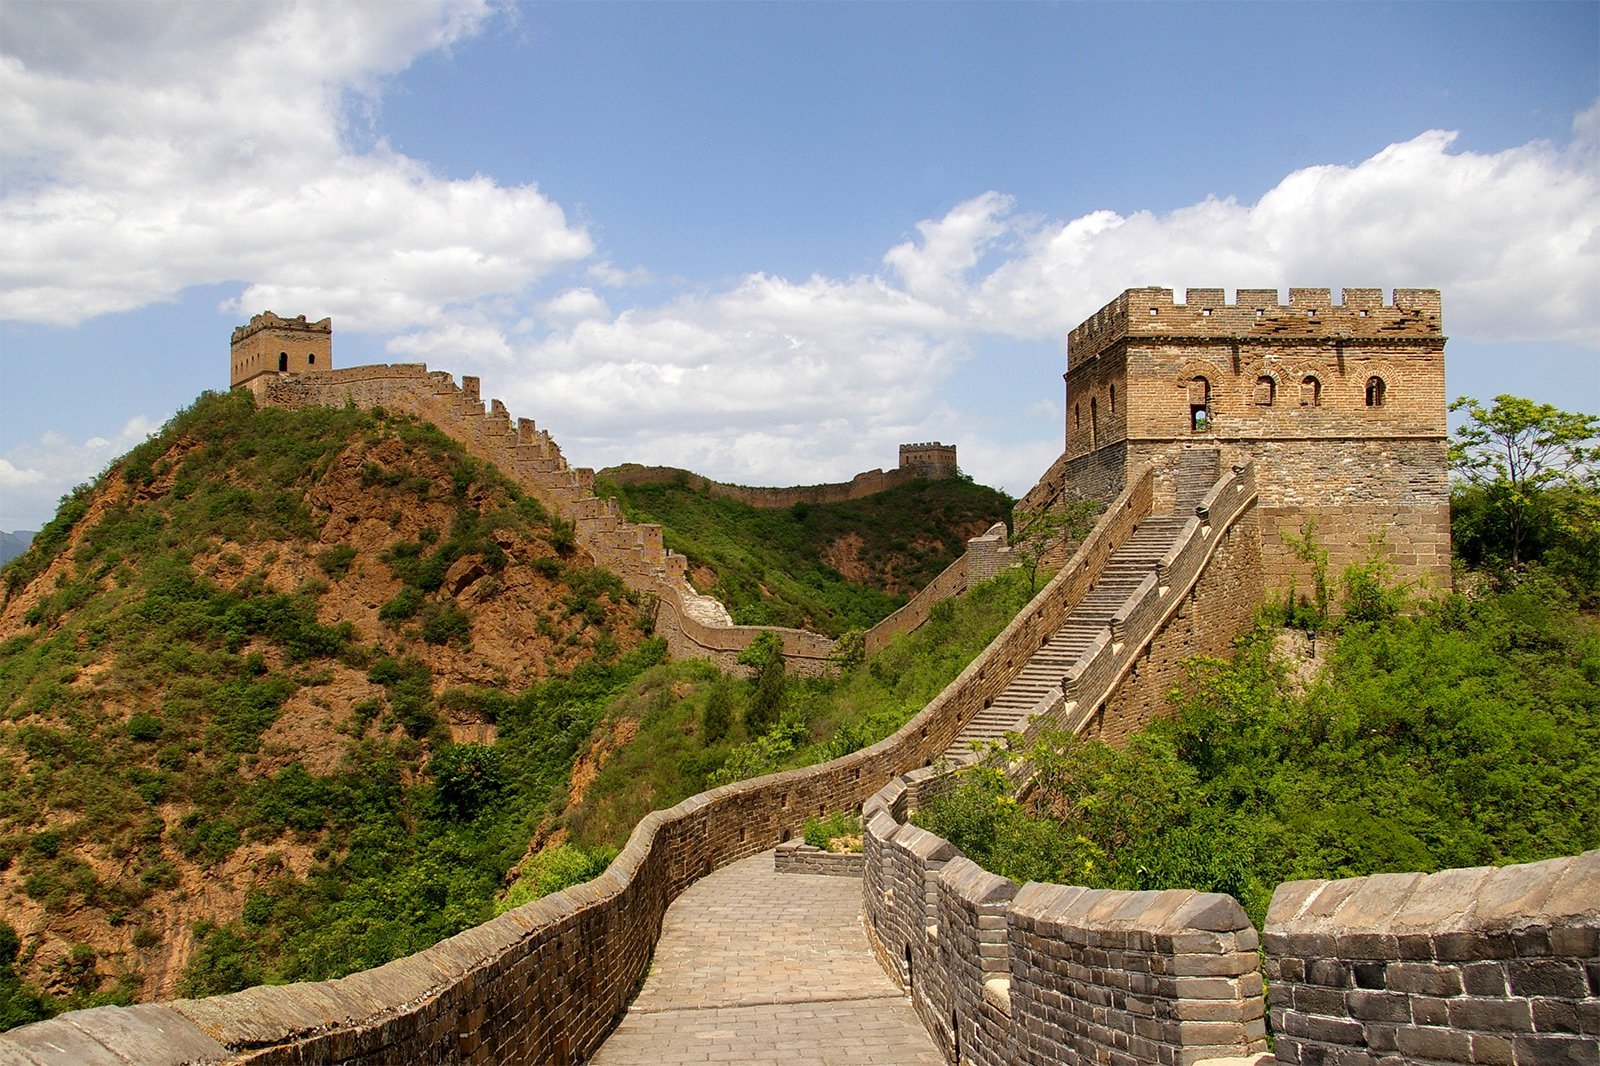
1008	975
1481	965
1286	386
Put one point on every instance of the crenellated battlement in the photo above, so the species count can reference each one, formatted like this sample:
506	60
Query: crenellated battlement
267	320
1258	315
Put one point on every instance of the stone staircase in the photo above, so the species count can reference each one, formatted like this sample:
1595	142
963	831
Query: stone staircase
1127	568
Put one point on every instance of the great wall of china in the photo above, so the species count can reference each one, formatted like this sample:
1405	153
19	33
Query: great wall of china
1479	965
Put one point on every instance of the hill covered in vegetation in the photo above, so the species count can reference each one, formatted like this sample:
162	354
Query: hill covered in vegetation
231	673
826	567
284	695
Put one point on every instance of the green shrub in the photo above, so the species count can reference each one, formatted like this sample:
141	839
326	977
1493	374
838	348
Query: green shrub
467	777
823	832
335	561
144	727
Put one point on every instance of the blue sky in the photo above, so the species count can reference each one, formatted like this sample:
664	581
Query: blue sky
765	241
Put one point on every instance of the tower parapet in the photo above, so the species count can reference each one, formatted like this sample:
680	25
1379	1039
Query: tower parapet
269	344
1256	315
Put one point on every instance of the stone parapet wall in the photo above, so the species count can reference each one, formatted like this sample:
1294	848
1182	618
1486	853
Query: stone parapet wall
798	857
1153	313
547	982
1219	541
1480	965
868	483
1009	975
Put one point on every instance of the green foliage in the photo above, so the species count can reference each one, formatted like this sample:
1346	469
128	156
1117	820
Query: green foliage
1034	534
411	837
556	867
674	755
769	562
1464	733
1528	488
823	832
717	718
467	777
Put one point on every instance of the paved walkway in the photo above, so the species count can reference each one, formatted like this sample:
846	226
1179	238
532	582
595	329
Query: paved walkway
759	967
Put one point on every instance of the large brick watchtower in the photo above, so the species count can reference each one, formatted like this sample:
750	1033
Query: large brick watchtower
271	345
1341	406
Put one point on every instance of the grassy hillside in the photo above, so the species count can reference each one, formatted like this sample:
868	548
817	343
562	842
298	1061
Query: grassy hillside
231	675
824	567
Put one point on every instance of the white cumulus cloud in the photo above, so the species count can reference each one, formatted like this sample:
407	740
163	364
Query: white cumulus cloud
151	147
34	475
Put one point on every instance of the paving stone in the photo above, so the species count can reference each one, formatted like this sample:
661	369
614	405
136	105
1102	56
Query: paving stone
754	966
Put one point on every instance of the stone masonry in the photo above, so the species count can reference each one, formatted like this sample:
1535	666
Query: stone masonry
1340	405
268	345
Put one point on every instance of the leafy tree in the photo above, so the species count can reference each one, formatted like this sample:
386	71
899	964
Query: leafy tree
468	777
765	653
1518	454
1035	533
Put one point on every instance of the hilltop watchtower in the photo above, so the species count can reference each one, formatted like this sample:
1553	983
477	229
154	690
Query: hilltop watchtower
930	460
270	345
1341	406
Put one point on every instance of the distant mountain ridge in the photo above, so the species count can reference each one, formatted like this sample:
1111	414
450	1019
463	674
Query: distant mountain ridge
14	544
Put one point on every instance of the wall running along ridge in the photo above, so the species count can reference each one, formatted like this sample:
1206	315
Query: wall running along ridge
932	461
1465	966
548	981
693	626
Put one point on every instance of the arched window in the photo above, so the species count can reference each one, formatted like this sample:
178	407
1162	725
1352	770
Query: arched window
283	361
1113	399
1077	416
1310	391
1375	391
1199	404
1094	423
311	359
1266	391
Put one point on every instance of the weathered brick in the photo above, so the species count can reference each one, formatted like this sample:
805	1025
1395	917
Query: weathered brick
1546	977
1498	1015
1423	978
1541	1050
1443	1045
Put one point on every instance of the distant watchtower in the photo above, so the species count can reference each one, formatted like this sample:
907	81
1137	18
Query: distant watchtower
271	345
932	460
1341	407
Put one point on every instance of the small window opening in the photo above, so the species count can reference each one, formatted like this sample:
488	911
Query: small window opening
1077	415
1310	391
283	361
1260	312
311	359
1113	399
1094	423
1266	391
1199	405
1205	312
1375	391
1153	312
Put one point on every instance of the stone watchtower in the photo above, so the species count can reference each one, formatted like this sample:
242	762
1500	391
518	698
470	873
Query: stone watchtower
931	460
1341	406
270	345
